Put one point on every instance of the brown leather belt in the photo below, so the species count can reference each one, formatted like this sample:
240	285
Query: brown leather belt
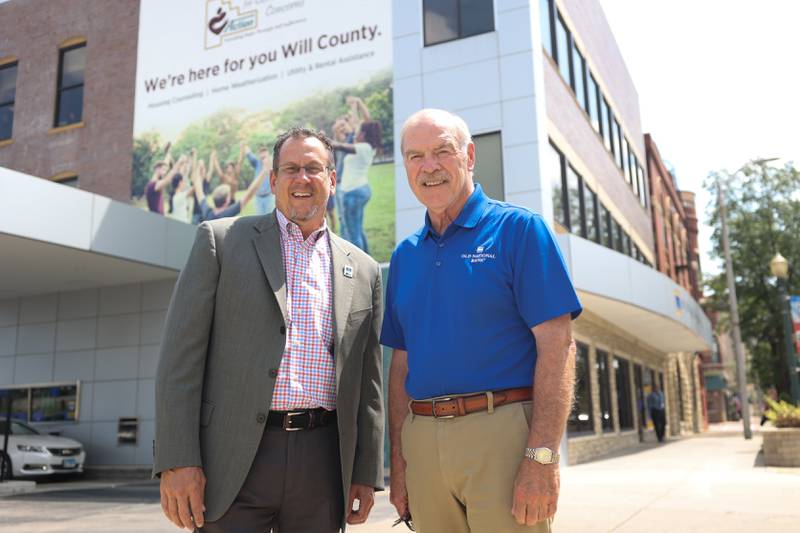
463	405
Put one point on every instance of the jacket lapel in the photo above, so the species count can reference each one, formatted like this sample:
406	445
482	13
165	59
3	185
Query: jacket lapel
268	247
343	273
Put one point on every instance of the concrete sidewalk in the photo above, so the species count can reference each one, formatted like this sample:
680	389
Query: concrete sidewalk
713	482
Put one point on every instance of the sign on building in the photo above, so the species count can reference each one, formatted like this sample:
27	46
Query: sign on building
218	80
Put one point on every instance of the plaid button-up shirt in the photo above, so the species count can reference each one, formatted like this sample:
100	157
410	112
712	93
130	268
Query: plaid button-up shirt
307	374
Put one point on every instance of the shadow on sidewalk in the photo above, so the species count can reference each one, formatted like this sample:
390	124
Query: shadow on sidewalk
127	493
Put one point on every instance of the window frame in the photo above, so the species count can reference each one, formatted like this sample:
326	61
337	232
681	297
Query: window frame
60	90
459	35
13	63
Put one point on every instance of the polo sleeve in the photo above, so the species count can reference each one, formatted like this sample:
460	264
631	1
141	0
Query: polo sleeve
542	286
392	331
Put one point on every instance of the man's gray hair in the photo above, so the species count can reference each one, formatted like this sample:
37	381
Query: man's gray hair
458	125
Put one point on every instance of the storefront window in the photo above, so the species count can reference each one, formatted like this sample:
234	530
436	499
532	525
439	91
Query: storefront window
580	419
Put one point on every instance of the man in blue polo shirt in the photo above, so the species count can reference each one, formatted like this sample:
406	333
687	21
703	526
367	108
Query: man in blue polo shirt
478	312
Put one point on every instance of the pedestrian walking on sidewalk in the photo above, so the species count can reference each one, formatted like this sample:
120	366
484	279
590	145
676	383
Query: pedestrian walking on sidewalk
268	391
657	407
478	313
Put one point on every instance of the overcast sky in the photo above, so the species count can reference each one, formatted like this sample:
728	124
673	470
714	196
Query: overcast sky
718	83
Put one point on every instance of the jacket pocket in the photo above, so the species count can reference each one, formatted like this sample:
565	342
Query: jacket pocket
206	409
359	315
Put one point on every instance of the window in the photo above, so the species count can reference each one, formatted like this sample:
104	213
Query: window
489	164
608	228
618	237
447	20
562	50
634	179
645	188
605	120
615	148
8	90
592	98
574	193
622	371
618	140
69	102
43	403
579	76
604	382
590	210
546	24
580	419
626	244
625	158
554	166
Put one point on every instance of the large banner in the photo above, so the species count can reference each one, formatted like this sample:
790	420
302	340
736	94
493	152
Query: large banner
795	303
218	80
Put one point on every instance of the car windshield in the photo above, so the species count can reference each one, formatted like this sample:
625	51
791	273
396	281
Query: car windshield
17	428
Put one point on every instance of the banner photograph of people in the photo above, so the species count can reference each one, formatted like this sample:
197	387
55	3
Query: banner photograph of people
214	93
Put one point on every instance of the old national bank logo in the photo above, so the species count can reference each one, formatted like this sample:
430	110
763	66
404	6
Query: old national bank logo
224	20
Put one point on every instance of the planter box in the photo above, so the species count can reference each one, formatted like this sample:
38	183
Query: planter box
781	446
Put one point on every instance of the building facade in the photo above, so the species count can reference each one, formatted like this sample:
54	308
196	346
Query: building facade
555	117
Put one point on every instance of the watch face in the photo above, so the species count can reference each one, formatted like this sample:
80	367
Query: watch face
544	455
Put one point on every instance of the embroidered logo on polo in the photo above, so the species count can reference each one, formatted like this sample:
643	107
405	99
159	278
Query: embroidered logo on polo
479	256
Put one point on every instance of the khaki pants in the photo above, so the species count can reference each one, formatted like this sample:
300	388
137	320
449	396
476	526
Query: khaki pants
460	471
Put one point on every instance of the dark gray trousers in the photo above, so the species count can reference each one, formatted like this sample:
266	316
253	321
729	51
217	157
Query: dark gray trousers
294	486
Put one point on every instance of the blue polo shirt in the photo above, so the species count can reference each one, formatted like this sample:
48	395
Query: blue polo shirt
462	304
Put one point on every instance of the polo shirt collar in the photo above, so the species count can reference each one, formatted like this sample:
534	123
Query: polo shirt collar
470	214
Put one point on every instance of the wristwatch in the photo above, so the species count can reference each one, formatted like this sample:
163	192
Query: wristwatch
544	456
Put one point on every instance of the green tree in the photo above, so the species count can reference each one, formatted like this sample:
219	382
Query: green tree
763	206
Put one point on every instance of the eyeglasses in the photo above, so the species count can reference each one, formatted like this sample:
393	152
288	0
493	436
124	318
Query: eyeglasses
406	519
292	171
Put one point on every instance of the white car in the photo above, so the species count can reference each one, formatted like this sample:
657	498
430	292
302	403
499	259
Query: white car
32	454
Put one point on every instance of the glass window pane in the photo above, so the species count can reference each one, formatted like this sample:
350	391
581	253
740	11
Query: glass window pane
626	244
615	148
632	165
605	116
604	382
441	20
608	227
590	208
19	403
70	106
579	73
574	200
58	402
618	233
617	132
594	114
8	84
580	419
489	164
545	28
562	49
625	169
6	121
72	67
553	170
624	404
477	16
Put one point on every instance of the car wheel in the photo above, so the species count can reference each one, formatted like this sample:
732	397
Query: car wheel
5	466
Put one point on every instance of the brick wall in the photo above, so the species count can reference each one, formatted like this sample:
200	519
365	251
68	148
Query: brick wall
100	151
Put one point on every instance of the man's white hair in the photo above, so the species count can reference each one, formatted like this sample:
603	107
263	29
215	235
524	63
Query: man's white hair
451	120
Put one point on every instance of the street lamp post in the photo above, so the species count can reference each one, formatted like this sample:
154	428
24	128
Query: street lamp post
737	335
780	269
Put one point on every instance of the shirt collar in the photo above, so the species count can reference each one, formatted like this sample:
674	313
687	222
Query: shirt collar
470	214
287	227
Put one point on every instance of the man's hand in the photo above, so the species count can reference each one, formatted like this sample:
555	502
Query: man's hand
182	492
535	492
398	493
366	498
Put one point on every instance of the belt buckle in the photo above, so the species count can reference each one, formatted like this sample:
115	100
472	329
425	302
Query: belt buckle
287	419
433	407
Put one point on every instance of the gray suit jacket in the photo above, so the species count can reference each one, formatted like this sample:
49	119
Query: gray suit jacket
223	341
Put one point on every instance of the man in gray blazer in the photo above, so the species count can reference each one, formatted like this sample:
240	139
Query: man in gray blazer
269	408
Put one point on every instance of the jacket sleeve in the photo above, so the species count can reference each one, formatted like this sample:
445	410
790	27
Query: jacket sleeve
368	464
182	357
